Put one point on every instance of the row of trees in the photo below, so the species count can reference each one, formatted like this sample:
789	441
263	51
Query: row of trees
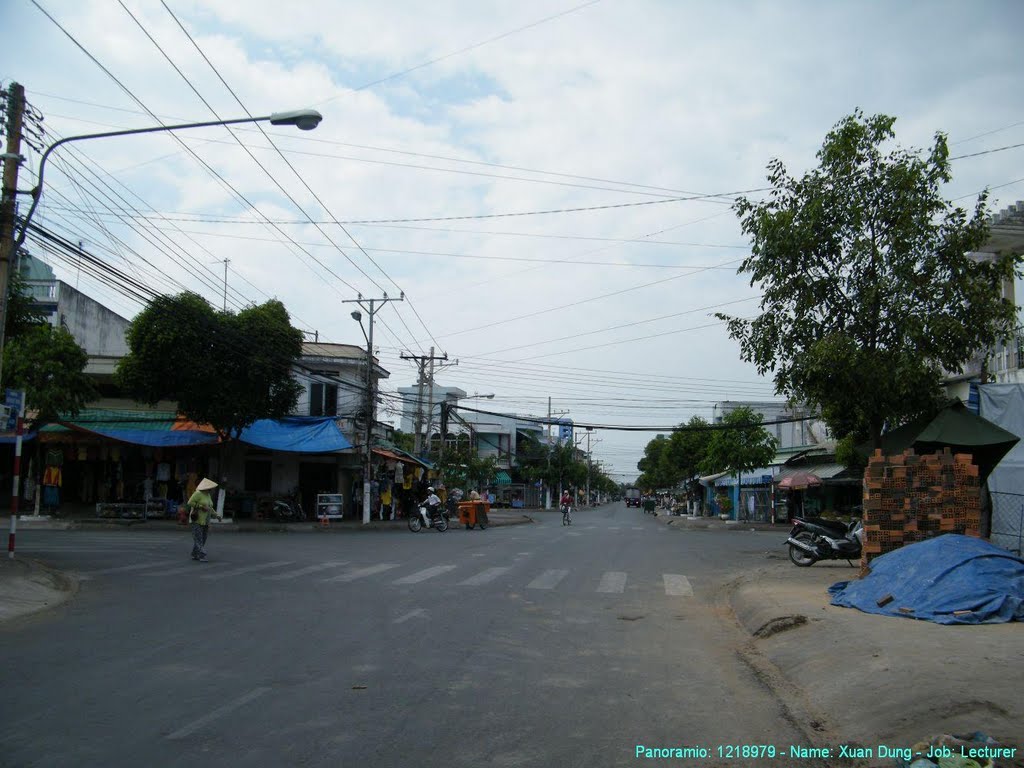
739	444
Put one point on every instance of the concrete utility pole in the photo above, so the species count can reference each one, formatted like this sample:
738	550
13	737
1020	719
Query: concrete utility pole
371	396
421	379
12	160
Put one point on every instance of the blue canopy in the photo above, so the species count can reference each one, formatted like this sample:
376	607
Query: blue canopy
301	434
951	579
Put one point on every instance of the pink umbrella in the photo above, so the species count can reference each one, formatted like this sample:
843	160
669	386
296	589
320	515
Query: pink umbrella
799	481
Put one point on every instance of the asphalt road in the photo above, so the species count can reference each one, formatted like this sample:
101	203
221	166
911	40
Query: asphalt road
529	645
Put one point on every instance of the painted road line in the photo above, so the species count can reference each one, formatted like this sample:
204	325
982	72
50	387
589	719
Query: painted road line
426	573
612	581
126	568
410	615
360	573
484	577
218	713
677	586
547	580
306	571
247	569
177	571
573	533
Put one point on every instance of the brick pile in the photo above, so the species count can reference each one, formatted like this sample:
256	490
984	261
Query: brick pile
909	498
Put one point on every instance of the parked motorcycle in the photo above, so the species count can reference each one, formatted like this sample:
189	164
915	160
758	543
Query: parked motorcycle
436	518
814	538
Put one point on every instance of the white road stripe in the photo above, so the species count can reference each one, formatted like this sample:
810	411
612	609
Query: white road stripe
613	527
231	706
547	580
677	586
638	528
483	577
410	615
573	533
306	571
612	581
204	567
360	573
126	568
247	569
426	573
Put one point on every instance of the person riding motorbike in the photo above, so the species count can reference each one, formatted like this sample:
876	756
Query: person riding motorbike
429	505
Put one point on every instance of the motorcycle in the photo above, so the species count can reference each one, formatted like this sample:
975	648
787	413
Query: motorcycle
814	538
435	517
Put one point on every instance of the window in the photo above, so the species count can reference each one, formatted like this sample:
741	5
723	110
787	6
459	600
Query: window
323	399
257	475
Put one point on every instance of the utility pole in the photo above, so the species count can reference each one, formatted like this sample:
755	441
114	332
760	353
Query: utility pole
588	465
421	379
12	160
226	284
371	397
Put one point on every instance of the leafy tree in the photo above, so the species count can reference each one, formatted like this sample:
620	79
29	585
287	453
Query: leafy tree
868	291
223	369
462	467
740	446
687	448
404	440
21	314
656	469
49	365
558	466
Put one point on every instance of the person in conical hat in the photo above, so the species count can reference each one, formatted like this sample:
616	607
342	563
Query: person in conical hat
201	506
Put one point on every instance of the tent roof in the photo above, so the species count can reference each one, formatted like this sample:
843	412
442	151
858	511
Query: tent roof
957	428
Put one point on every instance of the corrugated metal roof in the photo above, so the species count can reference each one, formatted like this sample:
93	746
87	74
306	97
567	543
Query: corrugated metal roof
823	471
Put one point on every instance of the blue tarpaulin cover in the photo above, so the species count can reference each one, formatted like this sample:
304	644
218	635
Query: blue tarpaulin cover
302	434
938	578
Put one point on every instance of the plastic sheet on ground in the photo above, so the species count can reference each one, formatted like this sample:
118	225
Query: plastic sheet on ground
951	579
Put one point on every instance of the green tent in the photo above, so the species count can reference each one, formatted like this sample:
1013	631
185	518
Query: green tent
957	428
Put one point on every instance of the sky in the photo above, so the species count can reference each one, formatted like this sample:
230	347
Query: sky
549	183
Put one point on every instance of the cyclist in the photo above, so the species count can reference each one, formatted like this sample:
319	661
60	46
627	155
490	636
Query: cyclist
566	505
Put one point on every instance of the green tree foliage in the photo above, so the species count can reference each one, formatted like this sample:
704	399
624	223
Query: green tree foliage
868	291
558	466
49	365
404	440
21	314
740	446
670	461
462	467
223	369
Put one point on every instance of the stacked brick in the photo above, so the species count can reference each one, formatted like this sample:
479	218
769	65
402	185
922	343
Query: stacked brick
910	498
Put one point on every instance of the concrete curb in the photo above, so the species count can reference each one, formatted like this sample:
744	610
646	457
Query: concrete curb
28	587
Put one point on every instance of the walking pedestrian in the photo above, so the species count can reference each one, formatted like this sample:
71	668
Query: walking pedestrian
201	506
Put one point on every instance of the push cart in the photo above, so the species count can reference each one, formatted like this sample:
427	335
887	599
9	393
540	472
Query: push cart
473	513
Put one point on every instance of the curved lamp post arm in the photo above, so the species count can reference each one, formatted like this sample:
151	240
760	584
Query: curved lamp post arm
304	119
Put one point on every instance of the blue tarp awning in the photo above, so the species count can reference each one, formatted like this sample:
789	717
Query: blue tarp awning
951	579
300	434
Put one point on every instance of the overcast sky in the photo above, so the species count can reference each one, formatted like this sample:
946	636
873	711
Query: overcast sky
460	141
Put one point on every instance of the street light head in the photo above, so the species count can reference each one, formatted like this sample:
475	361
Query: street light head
303	119
357	316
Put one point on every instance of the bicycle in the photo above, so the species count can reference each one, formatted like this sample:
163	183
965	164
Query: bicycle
566	515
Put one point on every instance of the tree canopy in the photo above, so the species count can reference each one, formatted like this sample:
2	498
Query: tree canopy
741	445
223	369
49	365
869	293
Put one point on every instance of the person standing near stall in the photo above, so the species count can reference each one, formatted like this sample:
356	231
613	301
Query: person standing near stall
201	506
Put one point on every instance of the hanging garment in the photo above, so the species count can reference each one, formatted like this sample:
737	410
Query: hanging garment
163	472
51	496
52	477
399	478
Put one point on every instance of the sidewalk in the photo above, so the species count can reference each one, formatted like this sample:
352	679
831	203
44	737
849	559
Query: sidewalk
27	586
714	523
878	680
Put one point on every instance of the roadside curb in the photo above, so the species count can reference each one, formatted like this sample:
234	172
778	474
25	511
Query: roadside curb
28	586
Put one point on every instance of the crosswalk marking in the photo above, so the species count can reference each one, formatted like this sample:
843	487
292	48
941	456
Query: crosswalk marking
677	586
613	527
360	573
483	577
638	527
612	581
306	571
426	573
126	568
411	614
177	571
547	580
247	569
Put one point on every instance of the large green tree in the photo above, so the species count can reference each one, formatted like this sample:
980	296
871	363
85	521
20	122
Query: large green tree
49	365
223	369
868	291
739	445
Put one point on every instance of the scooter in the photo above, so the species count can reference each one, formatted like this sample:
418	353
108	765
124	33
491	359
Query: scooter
436	519
814	538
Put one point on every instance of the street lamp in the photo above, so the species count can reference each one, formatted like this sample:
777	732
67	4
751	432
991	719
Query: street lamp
303	119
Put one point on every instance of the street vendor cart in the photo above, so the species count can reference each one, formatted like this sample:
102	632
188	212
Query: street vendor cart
473	513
